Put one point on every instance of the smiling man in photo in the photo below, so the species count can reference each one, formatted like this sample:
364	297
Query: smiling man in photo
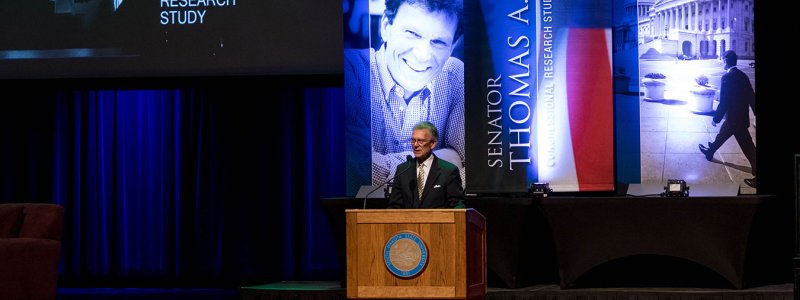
411	77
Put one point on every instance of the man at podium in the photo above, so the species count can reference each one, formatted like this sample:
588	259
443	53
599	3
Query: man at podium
433	182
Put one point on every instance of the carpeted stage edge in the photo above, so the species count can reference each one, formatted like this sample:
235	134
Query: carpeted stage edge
147	294
327	290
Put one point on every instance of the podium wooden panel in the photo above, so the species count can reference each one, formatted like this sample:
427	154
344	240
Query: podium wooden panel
456	246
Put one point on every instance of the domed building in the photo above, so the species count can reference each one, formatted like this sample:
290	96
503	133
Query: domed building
699	29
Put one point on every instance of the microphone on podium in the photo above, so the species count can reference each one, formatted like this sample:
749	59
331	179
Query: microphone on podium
408	159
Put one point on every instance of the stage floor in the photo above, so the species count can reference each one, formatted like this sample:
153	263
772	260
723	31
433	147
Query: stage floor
332	290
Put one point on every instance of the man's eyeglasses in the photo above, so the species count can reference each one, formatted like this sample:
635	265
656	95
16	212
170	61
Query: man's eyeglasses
419	142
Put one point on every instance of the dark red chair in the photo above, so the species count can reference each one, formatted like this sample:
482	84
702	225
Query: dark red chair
30	245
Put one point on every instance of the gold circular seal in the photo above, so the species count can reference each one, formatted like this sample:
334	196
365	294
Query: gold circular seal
405	254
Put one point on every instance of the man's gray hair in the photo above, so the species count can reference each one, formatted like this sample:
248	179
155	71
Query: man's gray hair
425	125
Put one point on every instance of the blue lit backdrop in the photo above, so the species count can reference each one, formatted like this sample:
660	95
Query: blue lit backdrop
181	187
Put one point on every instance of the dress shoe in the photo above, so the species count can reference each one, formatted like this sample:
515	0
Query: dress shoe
707	152
750	182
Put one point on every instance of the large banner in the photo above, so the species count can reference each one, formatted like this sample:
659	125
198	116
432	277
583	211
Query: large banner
411	71
579	94
697	104
521	92
540	95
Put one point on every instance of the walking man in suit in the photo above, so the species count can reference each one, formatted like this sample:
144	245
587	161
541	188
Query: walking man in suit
436	182
736	98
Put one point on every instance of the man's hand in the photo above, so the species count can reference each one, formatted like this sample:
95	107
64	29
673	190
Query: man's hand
713	123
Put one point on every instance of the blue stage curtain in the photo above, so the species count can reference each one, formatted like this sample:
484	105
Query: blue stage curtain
182	187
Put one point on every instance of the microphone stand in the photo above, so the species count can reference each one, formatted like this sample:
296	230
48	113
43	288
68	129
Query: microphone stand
386	191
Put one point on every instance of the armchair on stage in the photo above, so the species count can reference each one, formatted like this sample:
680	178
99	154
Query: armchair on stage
30	245
416	253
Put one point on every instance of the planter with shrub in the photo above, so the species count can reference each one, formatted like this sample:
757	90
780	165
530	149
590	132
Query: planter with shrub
702	95
654	86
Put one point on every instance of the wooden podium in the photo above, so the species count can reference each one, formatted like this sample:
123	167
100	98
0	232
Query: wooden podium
416	253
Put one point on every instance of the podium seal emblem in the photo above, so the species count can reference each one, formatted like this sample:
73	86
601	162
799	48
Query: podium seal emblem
405	254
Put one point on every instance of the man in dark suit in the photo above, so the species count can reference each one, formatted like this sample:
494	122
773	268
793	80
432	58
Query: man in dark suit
736	97
435	183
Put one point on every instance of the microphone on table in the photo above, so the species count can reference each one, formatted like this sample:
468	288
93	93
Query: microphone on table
408	159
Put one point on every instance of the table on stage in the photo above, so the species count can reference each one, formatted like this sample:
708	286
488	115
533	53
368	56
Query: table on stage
710	231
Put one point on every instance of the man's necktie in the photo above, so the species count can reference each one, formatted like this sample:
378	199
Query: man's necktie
420	180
